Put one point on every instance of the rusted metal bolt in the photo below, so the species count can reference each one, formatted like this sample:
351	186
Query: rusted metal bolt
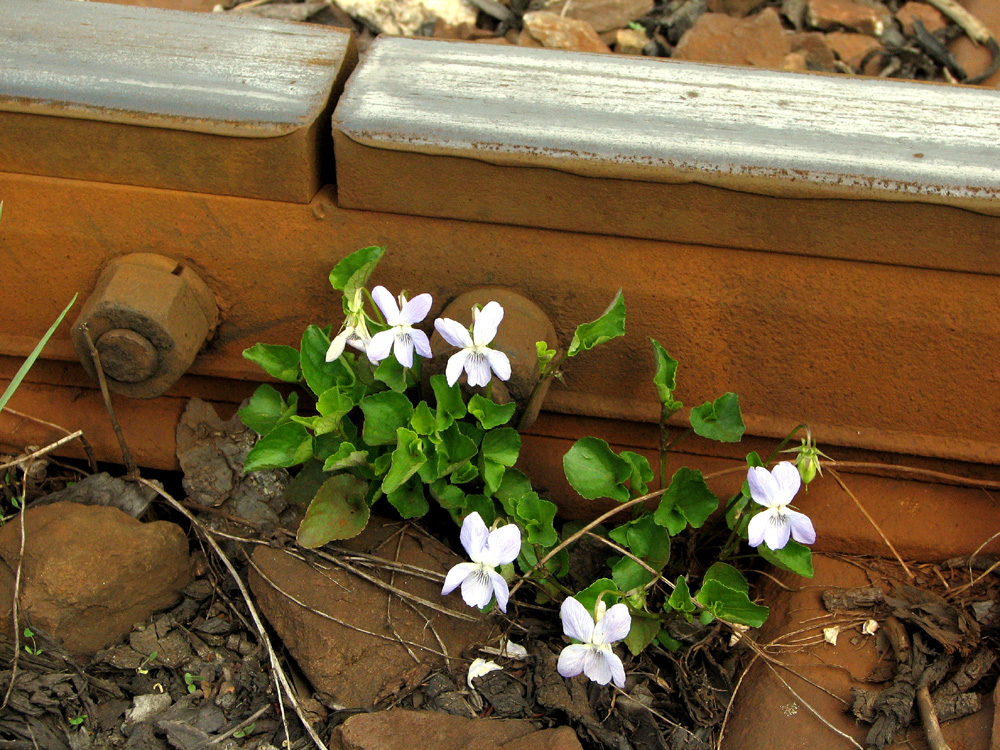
148	317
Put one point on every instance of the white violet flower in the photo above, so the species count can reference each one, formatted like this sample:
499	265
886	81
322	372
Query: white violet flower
487	550
774	490
475	357
480	668
593	655
355	329
401	338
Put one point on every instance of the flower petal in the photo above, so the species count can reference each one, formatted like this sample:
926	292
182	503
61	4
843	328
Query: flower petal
763	487
387	304
473	536
499	588
788	479
480	668
478	368
499	362
477	589
617	669
596	667
453	332
421	343
614	626
758	527
802	528
337	345
777	532
453	371
576	620
403	349
380	346
571	660
455	576
485	327
416	309
503	545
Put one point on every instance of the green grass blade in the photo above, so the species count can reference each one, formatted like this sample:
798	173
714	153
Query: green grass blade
23	370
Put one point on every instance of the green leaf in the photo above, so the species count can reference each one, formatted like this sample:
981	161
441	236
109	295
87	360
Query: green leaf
545	355
489	414
720	419
483	506
449	497
423	421
647	541
629	575
448	399
453	449
287	445
319	374
281	362
464	473
687	500
610	325
665	381
502	445
338	511
595	471
393	374
793	557
407	458
385	413
353	272
347	456
26	366
725	593
266	409
304	485
680	598
537	516
409	498
588	597
513	487
643	632
668	641
641	475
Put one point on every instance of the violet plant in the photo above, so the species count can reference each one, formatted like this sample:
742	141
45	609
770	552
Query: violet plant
365	429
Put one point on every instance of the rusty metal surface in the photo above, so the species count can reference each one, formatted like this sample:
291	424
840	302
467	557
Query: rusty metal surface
147	319
871	355
223	105
641	133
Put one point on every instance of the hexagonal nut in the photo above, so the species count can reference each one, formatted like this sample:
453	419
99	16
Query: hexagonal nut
147	317
523	324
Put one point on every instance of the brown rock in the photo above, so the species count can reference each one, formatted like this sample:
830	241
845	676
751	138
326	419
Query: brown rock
852	49
556	32
630	41
932	19
202	6
759	41
972	57
90	573
397	729
737	8
848	14
795	62
603	15
764	706
355	654
560	738
812	45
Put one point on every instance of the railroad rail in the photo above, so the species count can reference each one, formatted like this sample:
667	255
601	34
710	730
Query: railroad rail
828	247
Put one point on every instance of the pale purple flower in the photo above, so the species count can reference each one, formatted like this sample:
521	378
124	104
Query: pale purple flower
593	655
401	338
775	490
475	357
487	550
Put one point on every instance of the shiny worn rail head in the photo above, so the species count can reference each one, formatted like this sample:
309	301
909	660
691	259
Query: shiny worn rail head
757	131
236	75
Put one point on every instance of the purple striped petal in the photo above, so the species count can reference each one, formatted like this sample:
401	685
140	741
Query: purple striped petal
802	528
453	332
416	309
614	626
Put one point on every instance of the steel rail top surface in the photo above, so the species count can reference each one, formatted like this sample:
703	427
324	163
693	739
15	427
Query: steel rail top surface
235	75
758	131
